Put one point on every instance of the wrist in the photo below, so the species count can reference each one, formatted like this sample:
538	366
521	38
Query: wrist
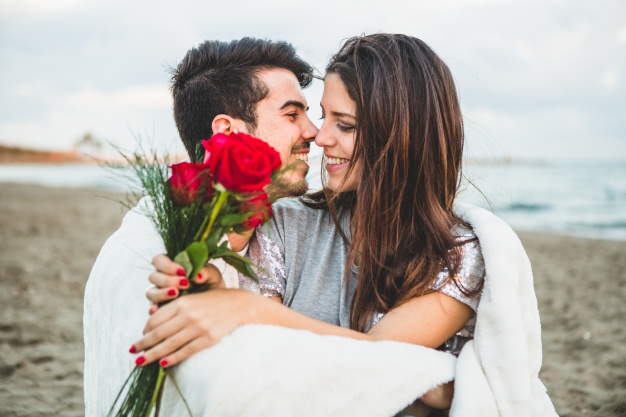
251	305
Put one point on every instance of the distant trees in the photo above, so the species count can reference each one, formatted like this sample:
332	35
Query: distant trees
88	144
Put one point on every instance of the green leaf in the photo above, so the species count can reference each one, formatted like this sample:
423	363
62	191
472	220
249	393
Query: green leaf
214	237
184	260
199	255
221	251
232	219
241	266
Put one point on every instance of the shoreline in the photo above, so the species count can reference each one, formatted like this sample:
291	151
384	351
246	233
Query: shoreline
51	237
108	188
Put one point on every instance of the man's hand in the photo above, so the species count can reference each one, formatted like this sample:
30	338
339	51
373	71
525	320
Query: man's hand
169	278
238	242
439	397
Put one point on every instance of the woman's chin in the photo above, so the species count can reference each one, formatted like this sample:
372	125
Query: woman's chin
337	187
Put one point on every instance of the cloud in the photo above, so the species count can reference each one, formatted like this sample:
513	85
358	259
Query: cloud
114	116
525	69
33	8
610	78
131	98
621	35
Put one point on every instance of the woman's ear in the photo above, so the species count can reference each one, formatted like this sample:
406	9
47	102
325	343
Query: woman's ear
222	123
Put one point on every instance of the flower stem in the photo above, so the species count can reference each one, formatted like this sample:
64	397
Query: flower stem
218	206
157	390
198	235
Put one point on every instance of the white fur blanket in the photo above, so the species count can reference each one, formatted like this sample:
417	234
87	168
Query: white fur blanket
272	371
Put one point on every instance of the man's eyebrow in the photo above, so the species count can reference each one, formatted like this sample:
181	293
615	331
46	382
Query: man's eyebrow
339	114
295	103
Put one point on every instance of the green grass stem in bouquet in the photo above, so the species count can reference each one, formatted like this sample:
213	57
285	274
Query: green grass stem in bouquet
193	207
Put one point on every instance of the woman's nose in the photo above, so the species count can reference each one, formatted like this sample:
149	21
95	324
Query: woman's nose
323	139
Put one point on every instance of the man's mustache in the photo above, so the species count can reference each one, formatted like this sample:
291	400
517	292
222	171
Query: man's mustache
301	147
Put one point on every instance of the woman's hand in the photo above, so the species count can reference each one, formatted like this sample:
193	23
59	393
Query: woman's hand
169	278
192	323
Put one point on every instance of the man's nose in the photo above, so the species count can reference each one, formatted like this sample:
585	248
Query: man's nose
310	132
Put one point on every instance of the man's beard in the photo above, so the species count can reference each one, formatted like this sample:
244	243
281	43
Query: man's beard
282	187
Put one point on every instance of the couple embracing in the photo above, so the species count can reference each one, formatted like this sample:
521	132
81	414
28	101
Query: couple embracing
381	254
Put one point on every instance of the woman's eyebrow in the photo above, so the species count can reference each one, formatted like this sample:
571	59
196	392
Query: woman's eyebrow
339	114
295	103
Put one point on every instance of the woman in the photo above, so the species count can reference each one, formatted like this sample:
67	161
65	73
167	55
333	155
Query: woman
379	253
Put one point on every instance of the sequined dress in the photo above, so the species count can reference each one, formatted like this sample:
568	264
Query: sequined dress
302	257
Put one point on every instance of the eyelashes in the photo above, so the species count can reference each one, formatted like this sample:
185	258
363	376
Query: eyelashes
342	127
345	128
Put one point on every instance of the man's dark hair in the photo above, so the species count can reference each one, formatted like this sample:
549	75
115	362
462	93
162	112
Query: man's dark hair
222	78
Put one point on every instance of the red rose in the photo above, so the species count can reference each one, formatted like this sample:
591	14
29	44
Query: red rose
188	180
261	210
241	163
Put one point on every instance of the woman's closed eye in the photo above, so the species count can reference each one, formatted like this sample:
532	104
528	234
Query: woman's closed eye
345	127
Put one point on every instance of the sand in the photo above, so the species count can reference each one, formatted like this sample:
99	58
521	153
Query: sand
49	238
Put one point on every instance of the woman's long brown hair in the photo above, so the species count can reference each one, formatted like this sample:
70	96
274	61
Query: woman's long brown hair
408	150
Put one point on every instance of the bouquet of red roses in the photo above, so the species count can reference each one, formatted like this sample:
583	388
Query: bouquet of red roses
193	209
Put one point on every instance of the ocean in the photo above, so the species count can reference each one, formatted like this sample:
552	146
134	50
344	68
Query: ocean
580	199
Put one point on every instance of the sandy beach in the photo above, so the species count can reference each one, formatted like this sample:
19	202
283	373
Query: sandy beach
51	237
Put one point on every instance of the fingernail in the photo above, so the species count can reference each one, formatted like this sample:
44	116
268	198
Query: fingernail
132	349
171	292
181	272
140	360
199	276
183	282
163	362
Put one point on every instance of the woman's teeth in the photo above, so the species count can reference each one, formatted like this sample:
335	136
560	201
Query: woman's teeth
301	156
336	161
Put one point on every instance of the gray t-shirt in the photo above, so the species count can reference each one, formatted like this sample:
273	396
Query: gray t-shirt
303	256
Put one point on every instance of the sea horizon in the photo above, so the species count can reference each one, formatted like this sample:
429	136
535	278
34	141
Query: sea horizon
582	198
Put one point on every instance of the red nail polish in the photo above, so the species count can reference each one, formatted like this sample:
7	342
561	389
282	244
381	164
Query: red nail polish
132	349
140	360
199	276
163	363
181	272
171	292
183	282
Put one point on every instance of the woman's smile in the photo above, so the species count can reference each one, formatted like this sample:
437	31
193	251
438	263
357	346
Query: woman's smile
334	164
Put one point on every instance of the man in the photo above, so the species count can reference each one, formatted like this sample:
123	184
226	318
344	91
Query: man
250	85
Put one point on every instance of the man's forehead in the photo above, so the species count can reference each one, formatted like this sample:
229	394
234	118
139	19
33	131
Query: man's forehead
283	88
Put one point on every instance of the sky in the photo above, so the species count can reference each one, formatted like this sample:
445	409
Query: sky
538	79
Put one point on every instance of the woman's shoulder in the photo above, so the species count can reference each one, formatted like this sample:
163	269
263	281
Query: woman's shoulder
463	232
292	204
291	218
470	269
294	208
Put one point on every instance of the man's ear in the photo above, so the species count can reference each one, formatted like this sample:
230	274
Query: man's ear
222	123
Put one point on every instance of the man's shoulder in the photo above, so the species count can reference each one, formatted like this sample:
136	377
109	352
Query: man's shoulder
137	222
136	237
